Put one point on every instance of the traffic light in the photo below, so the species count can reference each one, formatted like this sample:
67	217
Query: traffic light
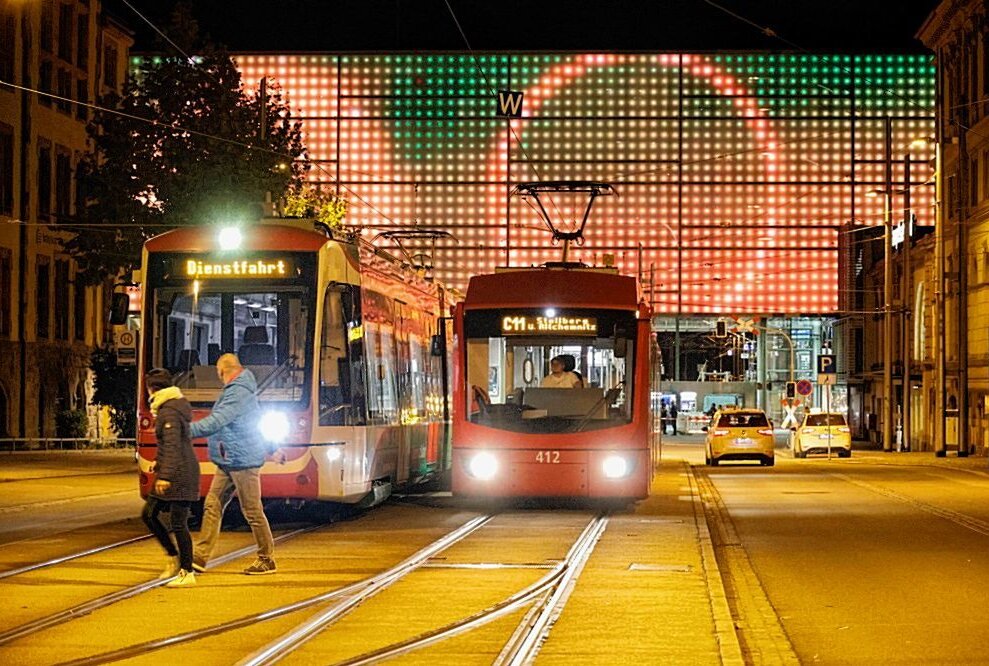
721	329
791	389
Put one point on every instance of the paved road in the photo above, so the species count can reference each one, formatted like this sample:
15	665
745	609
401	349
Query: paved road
868	560
48	495
873	560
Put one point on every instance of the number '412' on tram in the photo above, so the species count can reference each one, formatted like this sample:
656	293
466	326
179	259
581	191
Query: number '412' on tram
551	385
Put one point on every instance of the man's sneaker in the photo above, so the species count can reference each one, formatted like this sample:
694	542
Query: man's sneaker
261	567
183	579
171	568
199	566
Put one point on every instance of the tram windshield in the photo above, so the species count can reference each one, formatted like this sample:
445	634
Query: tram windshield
550	372
268	329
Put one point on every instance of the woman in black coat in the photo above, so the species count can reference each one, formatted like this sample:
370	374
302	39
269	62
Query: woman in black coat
177	483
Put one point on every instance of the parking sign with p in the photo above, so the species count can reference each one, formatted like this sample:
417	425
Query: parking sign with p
827	369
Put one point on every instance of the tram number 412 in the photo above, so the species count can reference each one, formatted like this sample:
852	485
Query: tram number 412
552	457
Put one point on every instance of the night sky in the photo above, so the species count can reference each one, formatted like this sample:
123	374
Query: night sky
532	25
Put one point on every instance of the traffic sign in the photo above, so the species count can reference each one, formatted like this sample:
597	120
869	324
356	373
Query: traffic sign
805	387
826	364
827	379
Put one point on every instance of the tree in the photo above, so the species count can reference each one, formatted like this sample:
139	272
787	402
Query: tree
115	386
204	159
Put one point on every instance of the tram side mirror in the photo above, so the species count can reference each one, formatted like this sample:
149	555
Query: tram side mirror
436	346
119	307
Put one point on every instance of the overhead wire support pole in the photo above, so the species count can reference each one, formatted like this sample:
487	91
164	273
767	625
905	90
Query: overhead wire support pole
940	437
905	293
887	415
962	327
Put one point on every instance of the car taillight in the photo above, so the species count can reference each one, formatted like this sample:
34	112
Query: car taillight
720	432
766	431
808	430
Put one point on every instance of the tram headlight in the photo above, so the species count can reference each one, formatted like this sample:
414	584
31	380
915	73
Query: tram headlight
230	238
274	426
483	466
615	467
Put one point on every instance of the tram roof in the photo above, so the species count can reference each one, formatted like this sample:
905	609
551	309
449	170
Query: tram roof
255	237
544	287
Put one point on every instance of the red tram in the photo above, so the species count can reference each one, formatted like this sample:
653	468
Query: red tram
514	436
338	335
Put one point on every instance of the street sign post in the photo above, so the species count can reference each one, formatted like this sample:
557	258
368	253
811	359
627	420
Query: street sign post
827	373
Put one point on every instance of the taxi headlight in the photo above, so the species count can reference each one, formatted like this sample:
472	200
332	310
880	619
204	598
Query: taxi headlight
615	467
274	426
483	466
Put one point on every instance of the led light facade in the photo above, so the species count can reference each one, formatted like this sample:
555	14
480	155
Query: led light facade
735	170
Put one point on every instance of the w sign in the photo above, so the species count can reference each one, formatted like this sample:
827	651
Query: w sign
510	103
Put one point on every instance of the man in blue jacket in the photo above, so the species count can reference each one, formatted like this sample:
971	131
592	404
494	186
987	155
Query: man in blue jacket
238	451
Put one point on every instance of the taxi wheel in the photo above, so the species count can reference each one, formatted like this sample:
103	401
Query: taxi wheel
844	454
714	462
769	462
799	454
707	458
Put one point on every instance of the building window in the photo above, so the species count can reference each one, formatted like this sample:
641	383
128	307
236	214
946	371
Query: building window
62	299
6	169
64	91
44	181
47	24
79	298
6	291
82	96
110	66
82	41
45	82
63	182
66	25
42	301
7	37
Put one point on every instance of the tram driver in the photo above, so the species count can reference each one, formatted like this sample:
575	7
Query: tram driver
562	373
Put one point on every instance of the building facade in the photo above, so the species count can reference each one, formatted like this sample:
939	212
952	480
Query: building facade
941	293
49	323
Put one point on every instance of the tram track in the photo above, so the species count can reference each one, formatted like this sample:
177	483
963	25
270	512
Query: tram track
73	556
545	599
349	597
87	607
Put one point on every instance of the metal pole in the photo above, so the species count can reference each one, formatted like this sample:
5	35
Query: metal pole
827	416
962	327
887	415
907	301
940	435
676	344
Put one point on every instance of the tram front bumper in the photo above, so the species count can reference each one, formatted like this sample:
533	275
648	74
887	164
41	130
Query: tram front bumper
550	473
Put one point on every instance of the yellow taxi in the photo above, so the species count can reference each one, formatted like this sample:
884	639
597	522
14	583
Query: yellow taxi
740	434
818	430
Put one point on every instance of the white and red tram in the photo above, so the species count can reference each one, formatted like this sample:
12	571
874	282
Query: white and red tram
513	437
338	336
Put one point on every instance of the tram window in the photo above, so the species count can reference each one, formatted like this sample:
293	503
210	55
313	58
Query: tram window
382	399
505	379
334	368
267	330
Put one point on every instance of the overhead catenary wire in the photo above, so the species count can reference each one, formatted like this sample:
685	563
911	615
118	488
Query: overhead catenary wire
213	137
